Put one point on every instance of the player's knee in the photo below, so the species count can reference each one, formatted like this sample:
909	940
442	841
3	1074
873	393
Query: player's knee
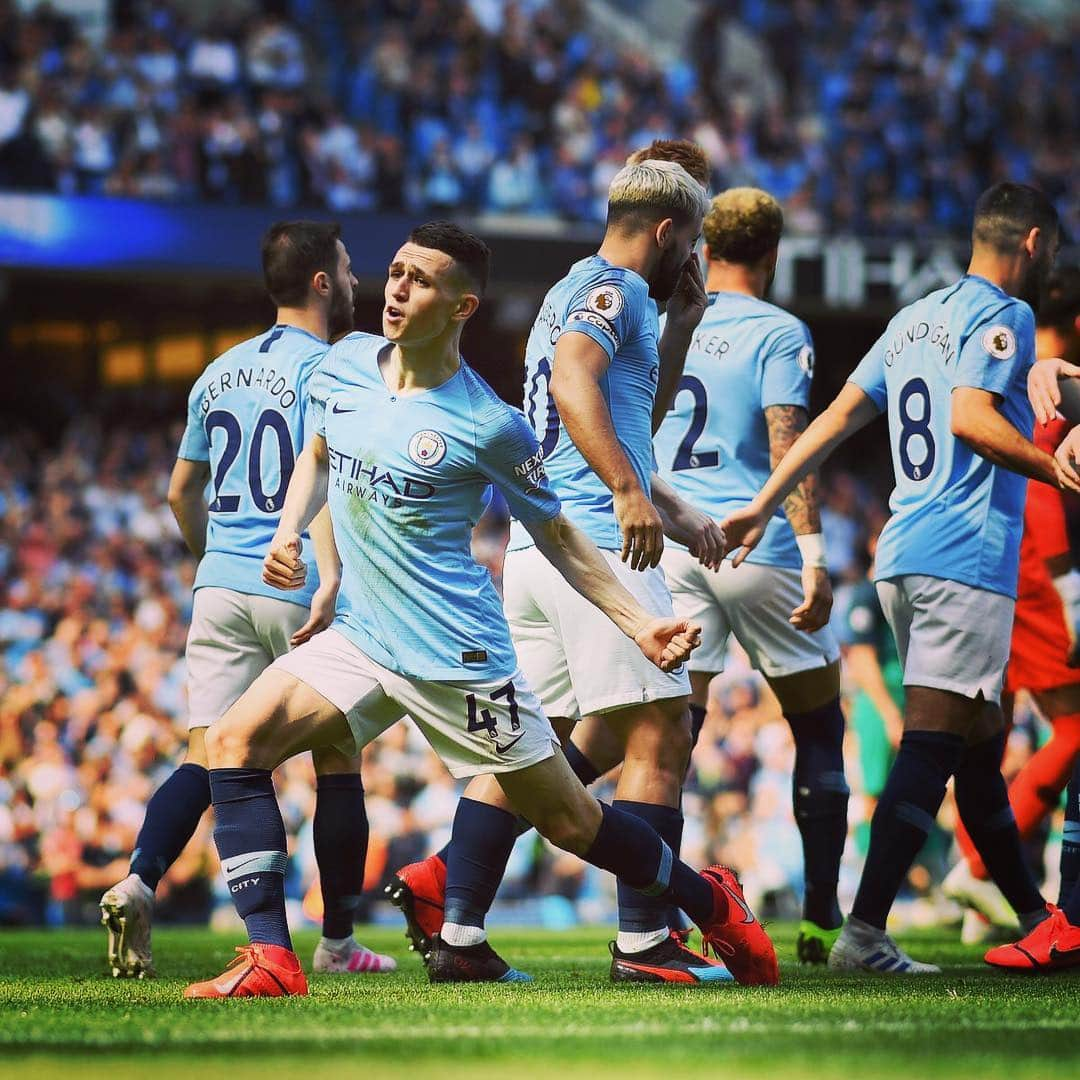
571	828
663	739
241	741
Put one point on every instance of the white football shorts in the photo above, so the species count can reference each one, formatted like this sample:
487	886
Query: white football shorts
949	636
475	726
572	654
752	602
233	638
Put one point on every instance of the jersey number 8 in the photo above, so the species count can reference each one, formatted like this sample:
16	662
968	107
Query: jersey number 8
916	427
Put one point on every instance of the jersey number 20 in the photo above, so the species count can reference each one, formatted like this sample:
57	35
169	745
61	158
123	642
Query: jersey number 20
227	422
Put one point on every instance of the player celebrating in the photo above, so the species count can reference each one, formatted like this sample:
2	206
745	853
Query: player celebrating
406	441
741	403
951	370
246	425
1045	656
591	369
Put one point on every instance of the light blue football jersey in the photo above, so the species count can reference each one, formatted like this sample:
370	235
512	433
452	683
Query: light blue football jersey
954	515
247	416
713	446
611	305
408	475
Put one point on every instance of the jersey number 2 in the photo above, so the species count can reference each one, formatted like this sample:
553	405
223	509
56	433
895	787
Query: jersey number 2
685	458
911	427
227	422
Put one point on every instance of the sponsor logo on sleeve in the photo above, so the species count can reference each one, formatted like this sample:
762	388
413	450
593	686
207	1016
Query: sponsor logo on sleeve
531	472
999	342
805	360
598	321
427	448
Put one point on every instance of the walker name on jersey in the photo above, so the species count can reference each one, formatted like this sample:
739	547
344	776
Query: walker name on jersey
709	344
264	378
937	335
369	481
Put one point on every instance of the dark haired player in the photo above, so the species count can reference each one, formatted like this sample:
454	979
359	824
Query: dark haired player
406	440
247	422
951	372
1044	658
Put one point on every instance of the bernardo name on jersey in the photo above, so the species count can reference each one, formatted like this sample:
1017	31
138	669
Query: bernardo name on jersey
954	514
408	478
247	417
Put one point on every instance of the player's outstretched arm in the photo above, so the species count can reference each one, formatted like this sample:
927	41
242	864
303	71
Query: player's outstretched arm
684	311
976	420
187	485
283	568
703	537
850	410
667	642
785	423
1043	390
580	364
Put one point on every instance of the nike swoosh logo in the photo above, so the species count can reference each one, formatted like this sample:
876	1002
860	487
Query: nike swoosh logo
337	410
502	749
749	915
229	869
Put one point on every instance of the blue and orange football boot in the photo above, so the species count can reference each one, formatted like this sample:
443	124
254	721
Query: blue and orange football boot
669	961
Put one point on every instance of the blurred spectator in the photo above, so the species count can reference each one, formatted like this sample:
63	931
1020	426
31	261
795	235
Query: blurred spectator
884	118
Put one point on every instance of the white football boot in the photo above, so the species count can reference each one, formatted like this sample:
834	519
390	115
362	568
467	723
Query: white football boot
127	911
861	947
349	958
984	897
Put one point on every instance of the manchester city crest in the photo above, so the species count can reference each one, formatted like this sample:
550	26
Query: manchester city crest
427	448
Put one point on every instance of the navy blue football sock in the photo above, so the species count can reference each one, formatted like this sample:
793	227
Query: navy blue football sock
904	817
639	913
697	722
1070	845
340	833
250	838
633	851
820	798
982	800
483	837
583	768
172	816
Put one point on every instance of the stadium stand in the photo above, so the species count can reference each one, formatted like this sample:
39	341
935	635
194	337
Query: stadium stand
876	119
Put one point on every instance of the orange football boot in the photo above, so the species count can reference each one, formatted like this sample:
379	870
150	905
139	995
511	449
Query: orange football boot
419	891
258	971
1053	944
734	935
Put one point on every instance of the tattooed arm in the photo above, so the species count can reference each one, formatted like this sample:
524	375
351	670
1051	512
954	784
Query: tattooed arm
786	423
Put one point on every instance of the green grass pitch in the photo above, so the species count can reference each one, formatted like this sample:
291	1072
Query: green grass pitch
61	1015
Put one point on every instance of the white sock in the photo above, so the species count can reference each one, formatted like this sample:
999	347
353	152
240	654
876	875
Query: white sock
461	935
337	944
635	941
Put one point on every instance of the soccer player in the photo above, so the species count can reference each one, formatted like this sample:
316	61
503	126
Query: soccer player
951	372
591	368
419	889
406	442
1045	657
247	422
741	403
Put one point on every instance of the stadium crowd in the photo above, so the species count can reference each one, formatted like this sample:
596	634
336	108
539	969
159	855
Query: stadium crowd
95	593
880	118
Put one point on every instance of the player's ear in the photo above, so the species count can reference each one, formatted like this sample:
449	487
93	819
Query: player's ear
466	305
1031	241
664	232
706	252
321	283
